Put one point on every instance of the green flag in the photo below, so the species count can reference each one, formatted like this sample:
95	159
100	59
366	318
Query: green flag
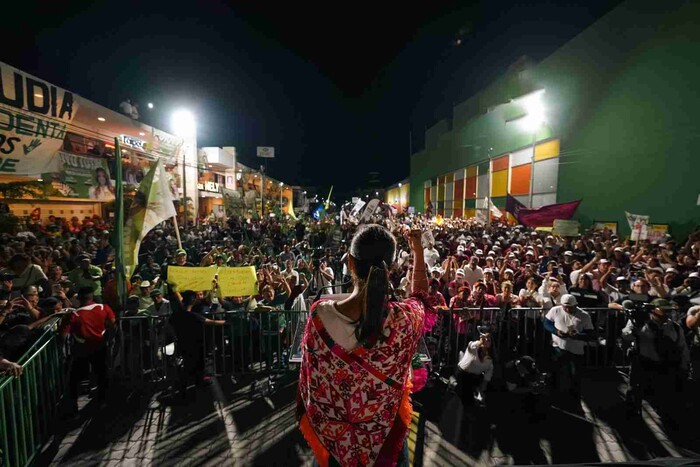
118	239
152	205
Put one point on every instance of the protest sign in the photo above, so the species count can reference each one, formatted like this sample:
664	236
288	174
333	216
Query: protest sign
565	228
196	279
369	209
602	225
656	233
238	282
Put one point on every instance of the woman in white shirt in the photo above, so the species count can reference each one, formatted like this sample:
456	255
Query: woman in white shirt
475	369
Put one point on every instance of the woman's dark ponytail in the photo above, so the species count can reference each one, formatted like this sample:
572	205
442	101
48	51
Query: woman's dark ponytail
372	249
376	291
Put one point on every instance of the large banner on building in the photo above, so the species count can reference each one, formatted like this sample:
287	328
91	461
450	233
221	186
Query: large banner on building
80	177
34	118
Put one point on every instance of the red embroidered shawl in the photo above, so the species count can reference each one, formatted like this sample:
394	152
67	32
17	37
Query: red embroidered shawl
354	407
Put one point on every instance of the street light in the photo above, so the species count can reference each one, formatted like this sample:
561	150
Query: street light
281	185
150	105
400	185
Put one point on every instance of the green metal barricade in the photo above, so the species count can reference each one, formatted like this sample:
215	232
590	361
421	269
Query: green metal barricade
30	403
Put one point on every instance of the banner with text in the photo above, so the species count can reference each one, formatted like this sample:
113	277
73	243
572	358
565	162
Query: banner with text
565	228
34	117
80	177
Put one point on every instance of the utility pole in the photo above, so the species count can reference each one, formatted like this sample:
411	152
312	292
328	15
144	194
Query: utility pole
262	192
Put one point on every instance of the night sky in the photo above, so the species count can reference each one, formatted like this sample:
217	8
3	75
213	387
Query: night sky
337	89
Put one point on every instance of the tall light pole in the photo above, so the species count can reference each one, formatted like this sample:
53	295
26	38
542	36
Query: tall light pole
262	191
281	185
184	126
400	185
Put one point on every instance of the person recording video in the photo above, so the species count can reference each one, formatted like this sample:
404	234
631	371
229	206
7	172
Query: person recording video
661	357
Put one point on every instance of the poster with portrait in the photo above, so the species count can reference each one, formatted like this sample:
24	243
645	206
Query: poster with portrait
80	177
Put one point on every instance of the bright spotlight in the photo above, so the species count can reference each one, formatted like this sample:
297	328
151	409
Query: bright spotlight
150	105
183	124
534	107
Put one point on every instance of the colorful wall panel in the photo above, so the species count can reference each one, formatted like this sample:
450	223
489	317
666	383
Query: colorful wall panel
459	193
547	150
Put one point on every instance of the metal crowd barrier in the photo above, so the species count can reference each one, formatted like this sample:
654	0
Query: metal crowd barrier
520	331
267	343
30	403
146	349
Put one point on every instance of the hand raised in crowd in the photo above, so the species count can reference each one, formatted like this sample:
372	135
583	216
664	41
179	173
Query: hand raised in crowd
10	368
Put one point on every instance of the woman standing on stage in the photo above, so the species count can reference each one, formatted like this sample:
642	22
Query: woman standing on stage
354	385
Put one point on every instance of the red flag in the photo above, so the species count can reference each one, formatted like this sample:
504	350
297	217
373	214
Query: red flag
545	216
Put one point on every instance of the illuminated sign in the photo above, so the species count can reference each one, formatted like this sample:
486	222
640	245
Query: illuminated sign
133	142
212	187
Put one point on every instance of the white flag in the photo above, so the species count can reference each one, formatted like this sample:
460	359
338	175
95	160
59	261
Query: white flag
151	206
495	212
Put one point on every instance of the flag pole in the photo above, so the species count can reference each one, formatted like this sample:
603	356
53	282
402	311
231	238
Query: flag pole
119	226
177	232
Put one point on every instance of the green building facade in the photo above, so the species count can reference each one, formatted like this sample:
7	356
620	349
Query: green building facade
609	118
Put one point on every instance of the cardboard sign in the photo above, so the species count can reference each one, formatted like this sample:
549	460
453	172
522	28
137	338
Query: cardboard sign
566	228
238	282
197	279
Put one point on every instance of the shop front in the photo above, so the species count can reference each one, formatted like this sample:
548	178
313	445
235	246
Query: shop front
66	145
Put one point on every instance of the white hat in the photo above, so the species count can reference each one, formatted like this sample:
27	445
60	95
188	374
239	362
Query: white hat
673	270
621	279
511	255
549	236
509	270
514	245
659	270
603	261
489	270
694	274
472	245
479	252
619	248
490	253
460	272
436	269
568	253
533	233
568	299
145	284
529	252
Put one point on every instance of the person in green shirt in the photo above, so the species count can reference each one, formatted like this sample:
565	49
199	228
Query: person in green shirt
87	275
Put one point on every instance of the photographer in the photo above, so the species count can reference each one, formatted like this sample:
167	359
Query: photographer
662	354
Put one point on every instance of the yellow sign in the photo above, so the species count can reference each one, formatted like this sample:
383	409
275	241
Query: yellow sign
238	282
196	279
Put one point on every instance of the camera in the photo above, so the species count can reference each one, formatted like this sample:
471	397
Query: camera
637	309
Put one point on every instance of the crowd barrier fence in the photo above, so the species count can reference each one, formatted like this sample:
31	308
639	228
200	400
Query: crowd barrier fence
29	403
267	343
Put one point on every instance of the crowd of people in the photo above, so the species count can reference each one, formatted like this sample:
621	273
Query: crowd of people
651	292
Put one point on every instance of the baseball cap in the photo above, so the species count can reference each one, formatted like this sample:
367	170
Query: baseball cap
156	292
568	253
603	261
671	270
618	248
83	257
460	272
509	270
694	274
479	252
145	283
488	270
621	279
661	303
180	251
132	300
511	255
569	300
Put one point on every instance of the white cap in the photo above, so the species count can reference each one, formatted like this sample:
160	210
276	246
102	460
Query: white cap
460	272
529	252
621	279
145	284
619	248
549	236
509	270
568	299
568	253
460	248
436	269
489	270
533	233
490	253
603	261
472	245
673	270
479	252
511	255
659	270
694	274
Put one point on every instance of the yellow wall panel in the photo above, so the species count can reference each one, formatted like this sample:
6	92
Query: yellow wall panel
547	150
468	213
499	183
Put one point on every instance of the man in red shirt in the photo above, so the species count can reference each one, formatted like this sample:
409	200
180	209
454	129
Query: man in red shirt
87	325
